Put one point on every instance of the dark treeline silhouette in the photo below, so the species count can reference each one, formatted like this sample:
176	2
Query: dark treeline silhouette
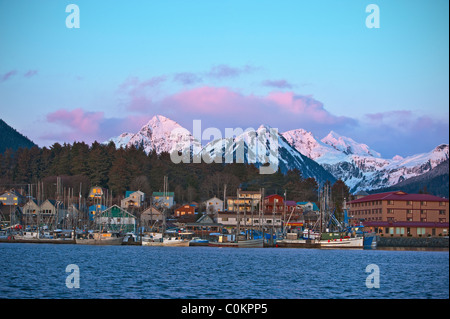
119	170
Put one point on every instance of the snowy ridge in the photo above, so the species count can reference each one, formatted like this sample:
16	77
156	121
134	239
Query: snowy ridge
331	158
359	166
160	134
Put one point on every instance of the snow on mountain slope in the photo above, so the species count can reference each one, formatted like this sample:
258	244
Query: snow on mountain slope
348	146
160	134
359	166
252	146
333	157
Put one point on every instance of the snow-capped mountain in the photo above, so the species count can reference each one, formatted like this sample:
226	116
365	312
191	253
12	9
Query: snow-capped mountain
331	158
348	146
252	146
359	166
160	134
259	147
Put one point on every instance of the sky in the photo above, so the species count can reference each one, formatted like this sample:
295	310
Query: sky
231	64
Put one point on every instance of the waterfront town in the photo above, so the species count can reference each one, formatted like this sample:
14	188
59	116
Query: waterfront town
273	218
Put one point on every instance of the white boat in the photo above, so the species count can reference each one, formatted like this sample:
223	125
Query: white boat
99	239
356	242
156	239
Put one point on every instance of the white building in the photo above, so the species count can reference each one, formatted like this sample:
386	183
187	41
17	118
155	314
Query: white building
213	205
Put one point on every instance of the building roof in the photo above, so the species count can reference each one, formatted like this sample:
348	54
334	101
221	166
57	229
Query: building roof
171	194
128	193
273	195
314	205
400	196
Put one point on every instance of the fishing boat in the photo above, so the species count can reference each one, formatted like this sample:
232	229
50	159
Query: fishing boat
197	241
338	240
332	232
224	241
157	239
293	241
98	238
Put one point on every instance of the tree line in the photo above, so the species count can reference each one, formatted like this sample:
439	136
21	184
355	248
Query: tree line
81	166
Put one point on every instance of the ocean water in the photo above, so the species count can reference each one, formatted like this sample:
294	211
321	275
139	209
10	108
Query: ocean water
40	271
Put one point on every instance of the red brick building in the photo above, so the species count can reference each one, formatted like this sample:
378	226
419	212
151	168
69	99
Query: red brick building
401	214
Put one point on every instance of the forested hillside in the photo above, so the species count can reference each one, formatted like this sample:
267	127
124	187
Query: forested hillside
120	170
11	139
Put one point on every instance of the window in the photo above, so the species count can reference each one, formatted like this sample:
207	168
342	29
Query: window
390	211
442	212
409	211
423	203
390	202
420	230
441	203
409	203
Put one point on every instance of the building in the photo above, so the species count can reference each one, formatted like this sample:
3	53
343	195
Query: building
132	200
360	194
95	210
213	205
11	198
204	226
274	203
117	219
10	215
185	210
244	201
308	206
96	192
150	217
401	214
230	219
163	200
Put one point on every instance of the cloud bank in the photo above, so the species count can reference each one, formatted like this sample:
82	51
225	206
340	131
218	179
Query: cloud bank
390	133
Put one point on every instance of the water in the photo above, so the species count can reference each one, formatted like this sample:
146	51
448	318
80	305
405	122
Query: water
39	271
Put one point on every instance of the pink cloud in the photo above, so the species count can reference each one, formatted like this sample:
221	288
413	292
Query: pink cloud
30	73
279	84
84	122
81	125
7	75
225	107
225	71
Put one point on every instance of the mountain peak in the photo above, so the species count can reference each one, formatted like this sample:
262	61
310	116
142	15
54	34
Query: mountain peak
348	146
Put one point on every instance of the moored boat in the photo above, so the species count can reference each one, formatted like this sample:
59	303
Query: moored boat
99	239
156	239
197	241
245	243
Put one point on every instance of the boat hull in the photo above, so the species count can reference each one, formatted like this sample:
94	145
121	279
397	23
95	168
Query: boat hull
167	243
251	243
297	243
99	242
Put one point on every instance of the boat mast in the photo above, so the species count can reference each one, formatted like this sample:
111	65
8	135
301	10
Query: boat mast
238	216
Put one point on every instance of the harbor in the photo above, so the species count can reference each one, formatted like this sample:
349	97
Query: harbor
248	220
